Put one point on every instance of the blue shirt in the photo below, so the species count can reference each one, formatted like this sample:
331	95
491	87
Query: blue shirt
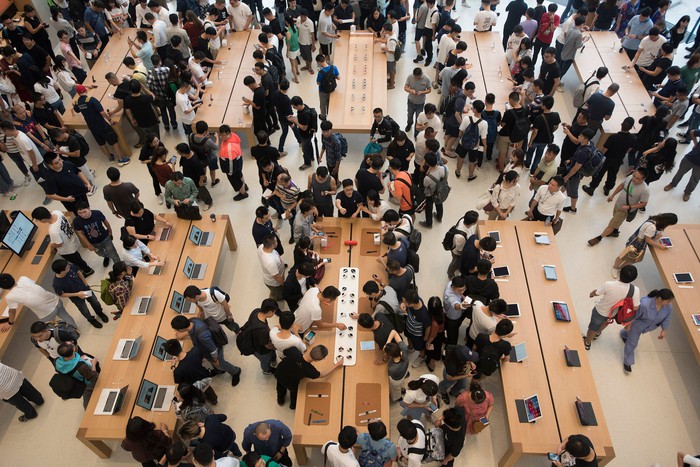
322	72
648	319
96	20
400	254
450	298
70	283
280	436
639	29
93	227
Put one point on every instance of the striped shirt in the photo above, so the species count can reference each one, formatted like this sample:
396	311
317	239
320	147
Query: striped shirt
10	144
289	195
10	381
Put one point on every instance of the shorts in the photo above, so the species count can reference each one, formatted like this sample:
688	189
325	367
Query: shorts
417	35
439	66
597	320
416	341
618	218
213	162
292	55
305	51
391	67
451	130
475	155
572	186
104	135
461	151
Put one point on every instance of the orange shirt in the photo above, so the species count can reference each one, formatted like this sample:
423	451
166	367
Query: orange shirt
231	148
403	192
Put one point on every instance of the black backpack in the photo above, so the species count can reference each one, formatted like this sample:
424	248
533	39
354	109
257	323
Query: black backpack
244	339
521	126
217	333
84	146
414	237
65	386
328	81
417	196
449	238
213	289
413	260
395	128
274	57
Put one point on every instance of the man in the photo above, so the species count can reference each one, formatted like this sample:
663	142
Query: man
257	332
412	442
615	149
482	286
529	24
509	134
434	173
174	30
268	84
298	281
307	41
70	283
516	10
388	36
16	390
140	110
80	367
548	202
205	146
672	94
13	33
95	21
581	449
573	42
296	366
143	51
40	56
546	169
464	228
601	106
342	13
474	250
305	122
283	106
550	73
384	126
418	87
542	134
100	124
28	151
304	225
381	327
384	300
263	226
47	339
309	313
637	29
272	266
332	148
193	169
212	303
548	23
231	161
121	92
401	279
427	21
198	331
187	366
583	154
119	195
370	178
478	143
397	248
160	37
258	104
71	146
64	182
95	232
25	292
64	241
285	200
635	197
326	31
689	163
268	438
324	94
186	105
340	454
158	85
240	16
485	19
611	293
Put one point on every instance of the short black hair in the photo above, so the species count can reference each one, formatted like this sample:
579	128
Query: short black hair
41	213
180	323
192	291
59	265
487	243
204	454
113	174
347	437
628	273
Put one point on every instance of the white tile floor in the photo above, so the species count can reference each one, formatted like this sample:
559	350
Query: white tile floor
651	413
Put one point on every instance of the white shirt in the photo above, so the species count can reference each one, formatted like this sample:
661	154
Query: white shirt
610	293
216	42
505	197
65	80
26	144
26	292
140	13
239	15
309	309
649	50
548	203
337	458
483	130
283	344
378	212
691	460
325	24
162	15
271	265
445	45
10	381
49	92
50	345
433	19
61	232
484	20
134	256
435	123
196	69
227	462
568	24
159	37
414	459
417	396
183	104
213	308
459	241
481	324
306	31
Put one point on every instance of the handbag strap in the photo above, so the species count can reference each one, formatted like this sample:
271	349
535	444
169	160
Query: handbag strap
627	195
546	125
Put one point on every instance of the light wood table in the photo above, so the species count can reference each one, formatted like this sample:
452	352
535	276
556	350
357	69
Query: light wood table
682	257
95	430
369	79
565	383
491	60
158	371
32	265
529	377
339	230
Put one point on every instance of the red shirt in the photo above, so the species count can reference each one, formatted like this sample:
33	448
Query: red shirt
231	148
543	34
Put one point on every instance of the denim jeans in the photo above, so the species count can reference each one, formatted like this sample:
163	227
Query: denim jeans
228	367
81	305
60	312
168	110
5	179
105	249
266	360
537	149
455	387
413	109
58	105
284	125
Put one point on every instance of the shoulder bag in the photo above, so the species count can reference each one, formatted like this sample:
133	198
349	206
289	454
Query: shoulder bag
631	214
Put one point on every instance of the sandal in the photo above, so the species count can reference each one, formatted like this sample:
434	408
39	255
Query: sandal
295	80
311	71
587	346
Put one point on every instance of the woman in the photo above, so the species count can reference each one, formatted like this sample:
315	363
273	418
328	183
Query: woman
119	285
376	446
64	78
503	196
193	27
292	41
691	71
605	14
149	151
117	16
37	28
655	73
436	337
137	255
375	22
146	444
454	429
303	252
59	23
647	234
628	10
49	88
420	395
524	50
395	355
516	163
660	13
654	311
660	159
678	32
191	403
376	207
162	167
477	404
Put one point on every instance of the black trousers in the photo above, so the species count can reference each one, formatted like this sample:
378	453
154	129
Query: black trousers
611	168
452	329
78	260
538	49
156	186
26	394
429	202
282	393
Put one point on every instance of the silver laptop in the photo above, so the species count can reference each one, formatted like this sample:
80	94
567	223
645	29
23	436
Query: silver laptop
200	237
180	305
154	397
141	305
110	401
127	349
164	233
156	270
193	270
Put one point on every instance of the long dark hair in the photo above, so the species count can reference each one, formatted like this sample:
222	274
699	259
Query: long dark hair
142	432
117	269
663	220
663	294
477	392
435	309
669	153
428	386
190	395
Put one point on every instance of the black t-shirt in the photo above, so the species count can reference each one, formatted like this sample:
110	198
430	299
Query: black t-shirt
39	55
203	46
548	73
508	120
348	203
457	360
501	347
401	152
282	104
545	130
192	168
599	106
259	333
662	62
122	90
454	439
143	225
259	99
470	255
66	182
482	290
587	442
401	283
381	334
147	152
304	118
268	84
605	16
73	145
617	146
141	107
46	115
367	181
217	434
293	368
568	147
190	370
264	152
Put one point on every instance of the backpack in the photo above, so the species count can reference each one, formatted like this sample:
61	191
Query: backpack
244	339
217	333
580	92
328	81
417	196
434	450
413	260
442	188
449	238
372	148
521	127
199	149
395	128
274	74
396	320
398	50
343	144
488	362
623	312
370	458
84	146
105	296
274	57
65	386
593	164
313	124
492	119
470	137
61	327
414	237
449	105
213	289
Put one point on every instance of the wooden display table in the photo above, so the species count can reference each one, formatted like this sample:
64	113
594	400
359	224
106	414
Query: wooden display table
529	377
492	58
684	256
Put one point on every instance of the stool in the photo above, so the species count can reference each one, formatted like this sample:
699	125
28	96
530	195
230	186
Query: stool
694	27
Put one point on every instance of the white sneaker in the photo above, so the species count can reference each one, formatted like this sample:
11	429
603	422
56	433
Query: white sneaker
206	207
9	194
27	180
615	273
161	199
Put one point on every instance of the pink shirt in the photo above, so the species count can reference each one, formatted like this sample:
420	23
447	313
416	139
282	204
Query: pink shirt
70	60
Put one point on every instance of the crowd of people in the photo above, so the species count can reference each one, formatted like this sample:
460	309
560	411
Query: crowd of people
402	183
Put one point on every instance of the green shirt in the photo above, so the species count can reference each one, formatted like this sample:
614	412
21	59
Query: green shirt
173	192
689	76
268	462
293	40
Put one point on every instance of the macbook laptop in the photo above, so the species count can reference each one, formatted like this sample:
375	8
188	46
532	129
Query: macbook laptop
154	397
164	234
141	305
200	237
159	350
180	305
193	270
110	401
127	349
561	311
155	270
518	353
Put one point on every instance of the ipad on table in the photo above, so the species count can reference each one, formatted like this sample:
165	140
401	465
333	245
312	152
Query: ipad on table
683	278
501	271
513	310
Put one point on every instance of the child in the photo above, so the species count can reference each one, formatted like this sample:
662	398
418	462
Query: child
348	201
69	282
394	355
